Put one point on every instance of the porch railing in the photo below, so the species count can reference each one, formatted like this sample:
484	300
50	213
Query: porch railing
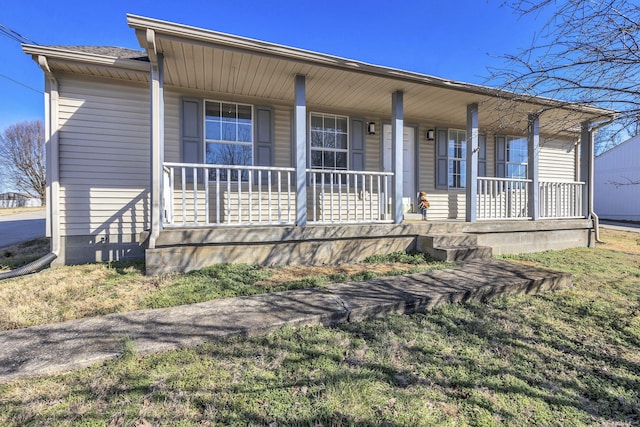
205	195
336	196
503	198
561	199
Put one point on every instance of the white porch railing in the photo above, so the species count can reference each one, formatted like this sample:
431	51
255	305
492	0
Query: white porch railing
561	199
503	198
205	195
336	196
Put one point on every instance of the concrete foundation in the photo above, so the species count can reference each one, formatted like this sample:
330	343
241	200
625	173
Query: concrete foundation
96	248
185	249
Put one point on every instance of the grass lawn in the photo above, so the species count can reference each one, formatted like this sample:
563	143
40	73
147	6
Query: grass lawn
569	358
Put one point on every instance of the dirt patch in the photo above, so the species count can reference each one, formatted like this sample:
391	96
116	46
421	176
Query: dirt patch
297	272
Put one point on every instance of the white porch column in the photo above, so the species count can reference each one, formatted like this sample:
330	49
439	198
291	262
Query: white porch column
157	146
586	168
397	130
300	133
472	163
533	148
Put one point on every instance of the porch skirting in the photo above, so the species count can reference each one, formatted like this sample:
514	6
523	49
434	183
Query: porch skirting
186	249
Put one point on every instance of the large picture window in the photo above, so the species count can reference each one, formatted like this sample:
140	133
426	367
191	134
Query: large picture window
329	141
457	154
228	134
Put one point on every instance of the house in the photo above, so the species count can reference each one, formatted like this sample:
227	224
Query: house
18	200
617	182
208	147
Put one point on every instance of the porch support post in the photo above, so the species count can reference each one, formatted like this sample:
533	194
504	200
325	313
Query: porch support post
397	130
472	163
300	132
533	148
157	146
586	168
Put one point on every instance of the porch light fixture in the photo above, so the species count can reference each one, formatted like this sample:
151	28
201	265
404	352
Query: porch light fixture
431	134
371	128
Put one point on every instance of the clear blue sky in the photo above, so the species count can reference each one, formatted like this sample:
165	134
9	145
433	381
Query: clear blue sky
451	39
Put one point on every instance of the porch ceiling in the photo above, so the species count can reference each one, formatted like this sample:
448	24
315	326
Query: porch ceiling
218	64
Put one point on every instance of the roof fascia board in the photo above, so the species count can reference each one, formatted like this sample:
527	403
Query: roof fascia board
84	57
179	32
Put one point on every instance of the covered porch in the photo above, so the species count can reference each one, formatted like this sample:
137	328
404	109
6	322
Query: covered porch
284	184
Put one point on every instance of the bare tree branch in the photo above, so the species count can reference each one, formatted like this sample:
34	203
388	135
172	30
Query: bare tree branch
586	53
22	151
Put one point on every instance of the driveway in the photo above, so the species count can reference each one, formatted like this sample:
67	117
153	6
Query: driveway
17	228
622	226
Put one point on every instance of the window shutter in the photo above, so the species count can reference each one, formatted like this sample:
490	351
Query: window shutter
501	157
356	145
191	134
264	152
482	155
442	159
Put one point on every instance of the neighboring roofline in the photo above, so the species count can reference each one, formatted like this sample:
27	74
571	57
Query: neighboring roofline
630	141
272	49
60	53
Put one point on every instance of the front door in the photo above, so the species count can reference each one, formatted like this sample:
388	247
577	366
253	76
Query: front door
408	163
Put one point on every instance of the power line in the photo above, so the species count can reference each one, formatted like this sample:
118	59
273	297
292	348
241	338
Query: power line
14	35
20	83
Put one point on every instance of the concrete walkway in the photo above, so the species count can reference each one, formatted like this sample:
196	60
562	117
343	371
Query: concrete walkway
79	343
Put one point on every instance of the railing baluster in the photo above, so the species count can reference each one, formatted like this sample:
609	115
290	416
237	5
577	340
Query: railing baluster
269	197
259	196
279	196
206	196
250	191
195	196
184	196
339	198
218	199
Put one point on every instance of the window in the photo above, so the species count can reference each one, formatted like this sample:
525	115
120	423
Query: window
228	134
329	141
457	155
516	157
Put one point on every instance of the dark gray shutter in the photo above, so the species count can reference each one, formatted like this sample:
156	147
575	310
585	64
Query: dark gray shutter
482	155
191	133
356	146
264	152
501	157
442	159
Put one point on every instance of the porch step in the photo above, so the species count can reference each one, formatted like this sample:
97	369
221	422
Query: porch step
453	247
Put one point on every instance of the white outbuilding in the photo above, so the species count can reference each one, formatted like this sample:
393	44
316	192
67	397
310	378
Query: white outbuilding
617	182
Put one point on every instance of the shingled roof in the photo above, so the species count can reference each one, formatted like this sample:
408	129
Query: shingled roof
118	52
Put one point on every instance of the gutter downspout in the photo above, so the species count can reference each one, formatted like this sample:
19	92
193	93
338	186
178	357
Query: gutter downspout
592	214
52	174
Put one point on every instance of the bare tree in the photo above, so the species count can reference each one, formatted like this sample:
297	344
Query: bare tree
587	52
22	151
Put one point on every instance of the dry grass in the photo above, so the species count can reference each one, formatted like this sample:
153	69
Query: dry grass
66	293
23	253
621	241
73	292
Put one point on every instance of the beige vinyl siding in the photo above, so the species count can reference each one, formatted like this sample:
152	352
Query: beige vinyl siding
171	126
104	157
372	151
282	133
557	160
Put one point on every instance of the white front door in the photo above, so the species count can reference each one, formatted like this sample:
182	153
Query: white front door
408	161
